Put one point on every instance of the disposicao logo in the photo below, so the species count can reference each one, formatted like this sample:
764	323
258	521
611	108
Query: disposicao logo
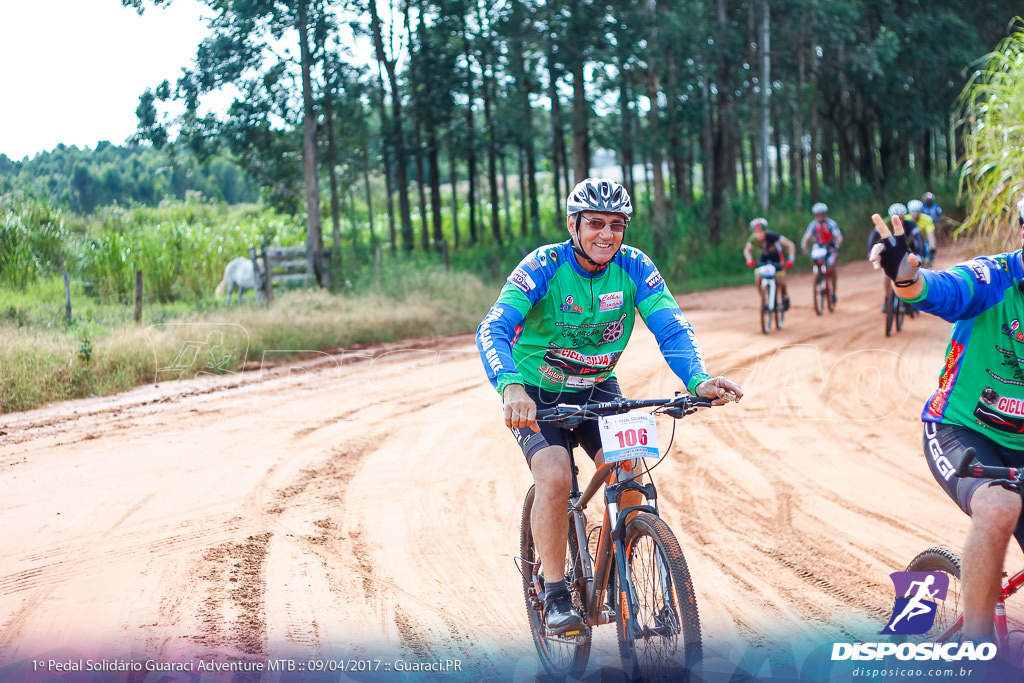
916	593
913	613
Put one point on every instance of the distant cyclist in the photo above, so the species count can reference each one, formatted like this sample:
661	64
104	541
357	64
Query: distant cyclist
555	334
824	231
931	207
915	211
978	402
915	242
769	246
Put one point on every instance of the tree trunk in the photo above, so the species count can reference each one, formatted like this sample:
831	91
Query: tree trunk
521	170
453	181
421	190
369	194
492	170
314	231
556	134
386	157
435	185
332	172
660	217
401	160
627	152
580	125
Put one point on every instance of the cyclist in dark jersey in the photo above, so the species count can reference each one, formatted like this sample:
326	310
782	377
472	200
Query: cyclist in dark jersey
769	246
555	334
979	402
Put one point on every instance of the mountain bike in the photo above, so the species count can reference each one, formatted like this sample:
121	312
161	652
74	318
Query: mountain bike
822	281
949	616
771	298
629	569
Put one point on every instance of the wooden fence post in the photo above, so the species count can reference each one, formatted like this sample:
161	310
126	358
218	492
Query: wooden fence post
138	297
67	294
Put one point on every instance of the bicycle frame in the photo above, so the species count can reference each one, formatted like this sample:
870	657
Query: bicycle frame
597	570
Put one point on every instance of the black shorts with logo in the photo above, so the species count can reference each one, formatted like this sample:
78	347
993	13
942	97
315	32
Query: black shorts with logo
945	447
586	435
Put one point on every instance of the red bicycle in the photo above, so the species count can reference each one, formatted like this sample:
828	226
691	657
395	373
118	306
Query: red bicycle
949	615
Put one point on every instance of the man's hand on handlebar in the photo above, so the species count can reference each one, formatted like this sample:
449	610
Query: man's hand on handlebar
720	390
519	408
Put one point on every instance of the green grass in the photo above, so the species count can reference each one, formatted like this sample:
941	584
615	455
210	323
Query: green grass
44	358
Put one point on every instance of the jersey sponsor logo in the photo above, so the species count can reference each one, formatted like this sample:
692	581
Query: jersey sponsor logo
654	279
487	344
580	382
610	301
937	405
935	452
521	279
981	271
550	373
573	362
596	334
542	257
1013	330
1000	412
569	306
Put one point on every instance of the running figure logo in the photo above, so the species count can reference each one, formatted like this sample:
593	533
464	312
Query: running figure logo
916	593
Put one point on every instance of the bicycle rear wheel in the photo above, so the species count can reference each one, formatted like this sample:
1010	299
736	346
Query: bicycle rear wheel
661	641
562	656
949	612
830	295
819	294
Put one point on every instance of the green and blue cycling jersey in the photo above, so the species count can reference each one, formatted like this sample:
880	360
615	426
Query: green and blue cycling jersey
981	384
558	327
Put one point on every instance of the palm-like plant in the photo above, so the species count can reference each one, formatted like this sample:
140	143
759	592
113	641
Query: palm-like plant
992	175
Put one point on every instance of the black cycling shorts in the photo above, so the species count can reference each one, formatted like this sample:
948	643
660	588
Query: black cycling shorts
586	435
944	448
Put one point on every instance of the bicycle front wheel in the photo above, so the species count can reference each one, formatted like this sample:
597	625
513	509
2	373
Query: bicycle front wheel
780	313
890	313
949	613
830	295
563	656
819	294
661	640
901	311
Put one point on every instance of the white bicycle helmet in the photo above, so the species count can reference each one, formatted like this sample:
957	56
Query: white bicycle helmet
820	207
599	194
915	205
758	221
897	209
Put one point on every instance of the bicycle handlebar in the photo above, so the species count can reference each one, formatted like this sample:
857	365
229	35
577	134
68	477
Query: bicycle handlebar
572	415
970	468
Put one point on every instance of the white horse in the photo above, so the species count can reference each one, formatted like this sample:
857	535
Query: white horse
240	273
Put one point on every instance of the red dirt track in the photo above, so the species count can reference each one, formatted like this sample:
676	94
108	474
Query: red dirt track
369	502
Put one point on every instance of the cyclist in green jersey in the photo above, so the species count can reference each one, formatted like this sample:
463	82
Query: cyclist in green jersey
555	334
979	403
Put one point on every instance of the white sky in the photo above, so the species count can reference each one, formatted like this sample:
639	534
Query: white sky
72	71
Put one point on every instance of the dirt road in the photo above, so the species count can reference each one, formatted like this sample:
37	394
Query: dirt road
364	505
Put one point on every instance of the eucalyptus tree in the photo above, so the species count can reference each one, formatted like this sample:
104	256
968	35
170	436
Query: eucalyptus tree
241	51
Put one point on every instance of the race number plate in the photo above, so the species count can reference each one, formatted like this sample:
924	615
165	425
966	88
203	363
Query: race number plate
627	436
